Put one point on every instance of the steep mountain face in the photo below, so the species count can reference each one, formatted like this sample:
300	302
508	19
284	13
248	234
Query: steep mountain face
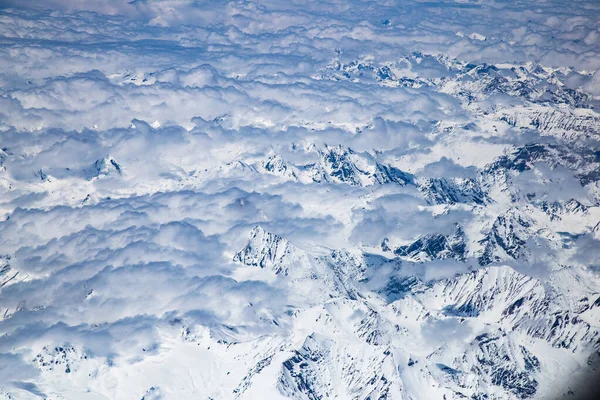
337	164
496	289
451	191
105	166
9	274
558	210
493	360
321	368
334	274
6	273
506	238
584	162
553	122
3	156
267	250
344	165
435	247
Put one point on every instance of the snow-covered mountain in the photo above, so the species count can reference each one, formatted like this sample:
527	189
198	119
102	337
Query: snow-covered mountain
511	329
301	200
336	164
105	166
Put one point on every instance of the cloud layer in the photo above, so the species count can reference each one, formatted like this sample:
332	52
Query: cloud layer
141	141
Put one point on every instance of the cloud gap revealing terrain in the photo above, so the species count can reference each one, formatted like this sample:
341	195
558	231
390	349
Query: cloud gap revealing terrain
299	199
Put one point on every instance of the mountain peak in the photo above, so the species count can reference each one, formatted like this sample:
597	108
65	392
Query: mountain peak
106	166
266	250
